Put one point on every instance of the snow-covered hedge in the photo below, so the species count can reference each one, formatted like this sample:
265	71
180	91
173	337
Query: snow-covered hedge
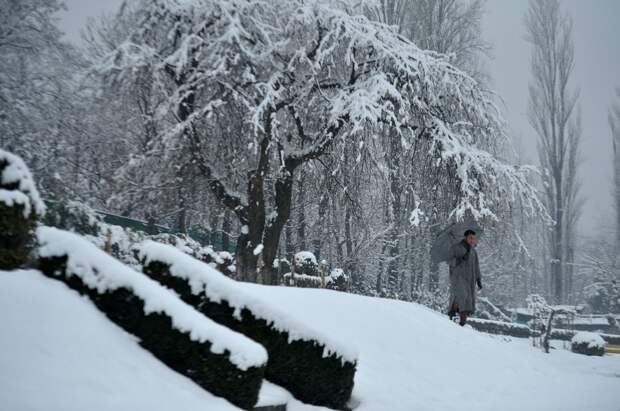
313	367
336	280
305	263
500	327
301	280
73	216
611	338
222	361
587	343
20	206
567	335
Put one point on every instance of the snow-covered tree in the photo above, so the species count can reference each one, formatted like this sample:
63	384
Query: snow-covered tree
252	91
614	124
551	112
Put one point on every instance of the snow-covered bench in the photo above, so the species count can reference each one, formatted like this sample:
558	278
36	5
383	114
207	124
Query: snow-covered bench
313	367
220	360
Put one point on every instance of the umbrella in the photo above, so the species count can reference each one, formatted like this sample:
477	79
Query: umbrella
440	250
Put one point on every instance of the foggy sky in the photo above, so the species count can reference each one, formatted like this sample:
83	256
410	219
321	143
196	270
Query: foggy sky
597	72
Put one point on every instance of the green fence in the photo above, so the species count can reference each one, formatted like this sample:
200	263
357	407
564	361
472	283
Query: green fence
195	232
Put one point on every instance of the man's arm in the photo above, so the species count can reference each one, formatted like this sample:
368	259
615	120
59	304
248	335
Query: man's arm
457	255
478	276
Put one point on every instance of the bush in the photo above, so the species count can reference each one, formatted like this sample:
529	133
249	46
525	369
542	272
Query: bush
282	265
305	263
20	207
301	280
312	368
337	280
500	327
611	338
587	343
567	335
221	361
73	216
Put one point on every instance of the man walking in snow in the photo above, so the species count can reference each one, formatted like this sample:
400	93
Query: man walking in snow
464	276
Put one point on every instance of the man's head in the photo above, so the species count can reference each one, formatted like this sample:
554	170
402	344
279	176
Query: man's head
470	237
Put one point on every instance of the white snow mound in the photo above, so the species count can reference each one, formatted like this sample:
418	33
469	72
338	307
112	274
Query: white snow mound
592	339
202	277
16	172
100	271
413	358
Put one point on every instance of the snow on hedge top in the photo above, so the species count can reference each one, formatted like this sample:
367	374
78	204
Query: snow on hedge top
592	339
13	171
98	270
305	257
217	287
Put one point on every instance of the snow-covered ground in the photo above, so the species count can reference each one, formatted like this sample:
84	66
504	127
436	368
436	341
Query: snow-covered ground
57	352
412	358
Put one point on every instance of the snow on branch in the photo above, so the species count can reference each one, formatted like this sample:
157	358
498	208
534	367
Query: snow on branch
304	73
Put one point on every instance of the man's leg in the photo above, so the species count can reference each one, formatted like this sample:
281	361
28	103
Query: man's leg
453	310
463	315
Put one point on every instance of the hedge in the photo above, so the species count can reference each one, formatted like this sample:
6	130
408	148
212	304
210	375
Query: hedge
313	370
567	335
301	280
588	343
500	327
15	236
523	331
221	361
20	207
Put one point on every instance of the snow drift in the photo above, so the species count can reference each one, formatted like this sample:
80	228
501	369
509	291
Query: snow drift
224	362
316	367
58	353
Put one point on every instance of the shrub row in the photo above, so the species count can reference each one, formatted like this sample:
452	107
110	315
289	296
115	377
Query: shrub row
567	335
314	369
523	331
500	327
223	362
588	343
301	280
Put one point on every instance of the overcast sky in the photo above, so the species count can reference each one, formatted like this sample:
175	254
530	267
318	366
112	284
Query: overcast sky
597	72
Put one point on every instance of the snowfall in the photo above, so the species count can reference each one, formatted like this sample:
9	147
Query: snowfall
57	352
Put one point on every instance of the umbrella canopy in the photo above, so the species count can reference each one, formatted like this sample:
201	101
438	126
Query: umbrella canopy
440	250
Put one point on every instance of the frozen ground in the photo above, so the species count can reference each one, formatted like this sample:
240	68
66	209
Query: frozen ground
57	352
412	358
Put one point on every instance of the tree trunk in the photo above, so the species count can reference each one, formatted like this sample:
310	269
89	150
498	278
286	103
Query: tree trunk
301	213
320	232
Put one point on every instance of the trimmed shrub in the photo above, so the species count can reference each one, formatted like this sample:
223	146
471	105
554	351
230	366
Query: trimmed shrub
73	216
562	335
313	368
20	206
301	280
305	263
567	335
587	343
337	280
500	327
611	338
221	361
282	265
